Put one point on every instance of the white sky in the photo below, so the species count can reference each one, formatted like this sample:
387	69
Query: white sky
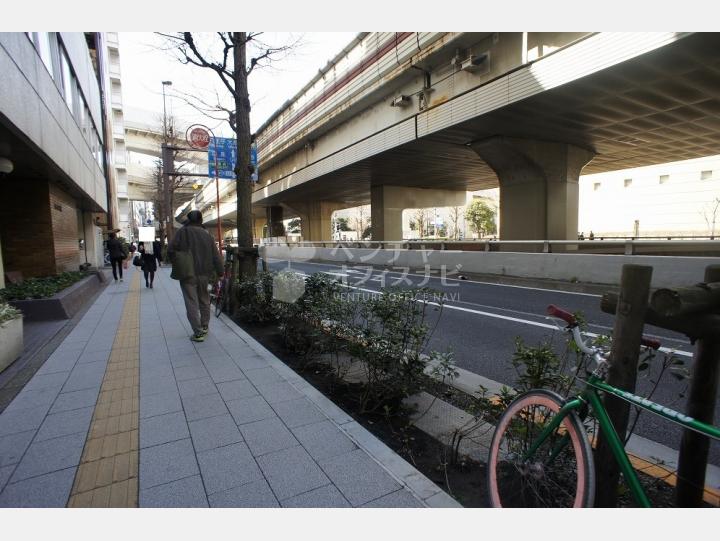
144	66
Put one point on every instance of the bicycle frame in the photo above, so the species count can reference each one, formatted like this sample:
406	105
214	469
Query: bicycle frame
591	396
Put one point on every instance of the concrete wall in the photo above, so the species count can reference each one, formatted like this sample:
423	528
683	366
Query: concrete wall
35	107
601	269
26	226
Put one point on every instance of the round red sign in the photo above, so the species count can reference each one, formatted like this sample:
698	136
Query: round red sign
199	138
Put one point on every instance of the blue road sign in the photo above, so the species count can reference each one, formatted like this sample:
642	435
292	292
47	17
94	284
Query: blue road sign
227	158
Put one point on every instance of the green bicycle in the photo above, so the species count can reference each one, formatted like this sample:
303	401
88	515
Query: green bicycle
540	455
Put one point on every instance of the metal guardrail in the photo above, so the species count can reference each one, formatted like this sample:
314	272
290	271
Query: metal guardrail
611	246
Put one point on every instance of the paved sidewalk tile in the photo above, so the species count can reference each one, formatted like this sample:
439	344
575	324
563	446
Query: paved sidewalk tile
197	387
199	407
50	490
358	477
263	376
150	386
13	446
64	423
323	497
227	467
248	410
214	432
50	455
163	429
188	492
22	420
190	372
401	498
267	436
166	463
159	404
233	390
5	473
41	381
75	400
298	412
33	399
291	472
277	392
255	494
323	440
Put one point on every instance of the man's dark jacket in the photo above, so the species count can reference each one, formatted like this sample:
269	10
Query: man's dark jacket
195	239
116	249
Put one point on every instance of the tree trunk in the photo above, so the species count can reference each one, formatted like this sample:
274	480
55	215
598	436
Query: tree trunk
694	447
622	373
247	262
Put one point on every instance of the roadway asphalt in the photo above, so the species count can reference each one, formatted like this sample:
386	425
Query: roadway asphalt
480	322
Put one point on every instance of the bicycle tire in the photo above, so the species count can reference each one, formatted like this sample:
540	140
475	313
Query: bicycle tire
221	298
566	481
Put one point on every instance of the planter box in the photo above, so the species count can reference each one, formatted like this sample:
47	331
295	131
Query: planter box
64	304
11	341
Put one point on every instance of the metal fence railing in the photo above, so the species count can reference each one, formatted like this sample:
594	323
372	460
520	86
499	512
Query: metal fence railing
596	246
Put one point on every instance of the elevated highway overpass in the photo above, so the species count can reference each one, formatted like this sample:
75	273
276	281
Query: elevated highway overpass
408	120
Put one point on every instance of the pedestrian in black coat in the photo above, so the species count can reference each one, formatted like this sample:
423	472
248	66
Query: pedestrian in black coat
157	250
118	253
148	265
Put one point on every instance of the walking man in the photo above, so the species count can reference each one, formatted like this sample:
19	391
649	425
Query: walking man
193	238
117	254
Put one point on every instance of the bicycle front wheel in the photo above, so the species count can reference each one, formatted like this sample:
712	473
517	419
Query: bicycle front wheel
220	300
560	473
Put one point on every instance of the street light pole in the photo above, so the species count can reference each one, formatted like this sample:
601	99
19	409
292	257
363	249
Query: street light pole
167	198
165	133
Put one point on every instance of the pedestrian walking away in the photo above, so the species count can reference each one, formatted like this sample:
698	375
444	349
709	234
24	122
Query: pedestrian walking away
157	250
147	264
118	253
193	242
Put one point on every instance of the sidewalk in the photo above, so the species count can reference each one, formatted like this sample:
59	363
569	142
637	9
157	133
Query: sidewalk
129	412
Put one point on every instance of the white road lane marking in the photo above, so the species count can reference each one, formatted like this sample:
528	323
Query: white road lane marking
498	316
451	279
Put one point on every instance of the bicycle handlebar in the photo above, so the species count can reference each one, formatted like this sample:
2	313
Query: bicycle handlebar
650	343
562	314
554	311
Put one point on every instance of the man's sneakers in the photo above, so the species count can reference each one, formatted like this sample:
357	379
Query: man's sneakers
198	337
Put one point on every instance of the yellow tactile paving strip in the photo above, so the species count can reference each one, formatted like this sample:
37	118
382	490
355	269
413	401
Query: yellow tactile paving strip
108	471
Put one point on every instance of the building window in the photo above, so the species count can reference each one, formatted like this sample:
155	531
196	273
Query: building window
596	186
67	79
706	175
627	182
664	178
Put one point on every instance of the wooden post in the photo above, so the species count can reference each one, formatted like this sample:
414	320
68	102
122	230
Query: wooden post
694	447
629	322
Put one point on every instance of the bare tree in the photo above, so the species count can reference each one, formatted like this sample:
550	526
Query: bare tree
454	215
164	196
421	217
361	219
227	56
710	214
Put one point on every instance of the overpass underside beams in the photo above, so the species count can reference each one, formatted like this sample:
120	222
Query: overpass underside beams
538	186
388	202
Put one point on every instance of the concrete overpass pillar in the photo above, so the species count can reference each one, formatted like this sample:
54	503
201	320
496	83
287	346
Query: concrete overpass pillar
259	227
538	186
274	219
388	202
316	218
